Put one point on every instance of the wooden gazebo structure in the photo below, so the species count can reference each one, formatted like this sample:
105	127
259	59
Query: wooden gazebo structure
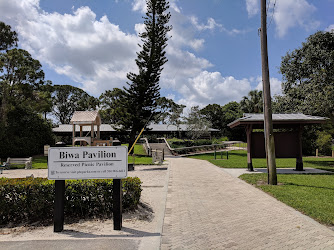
91	119
288	142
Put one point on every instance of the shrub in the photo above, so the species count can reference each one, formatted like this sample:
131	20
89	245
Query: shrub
324	142
29	200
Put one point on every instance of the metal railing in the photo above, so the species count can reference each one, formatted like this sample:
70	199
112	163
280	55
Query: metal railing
147	147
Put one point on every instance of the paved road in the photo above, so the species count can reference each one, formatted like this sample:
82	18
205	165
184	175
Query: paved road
209	209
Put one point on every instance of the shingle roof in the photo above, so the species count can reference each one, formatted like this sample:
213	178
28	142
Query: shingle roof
277	118
86	117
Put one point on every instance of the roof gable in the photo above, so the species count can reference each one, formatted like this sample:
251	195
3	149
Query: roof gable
86	118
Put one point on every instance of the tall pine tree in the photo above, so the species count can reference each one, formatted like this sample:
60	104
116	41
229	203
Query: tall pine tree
139	100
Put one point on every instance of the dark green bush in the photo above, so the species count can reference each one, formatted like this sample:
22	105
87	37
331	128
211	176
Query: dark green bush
324	142
25	134
28	200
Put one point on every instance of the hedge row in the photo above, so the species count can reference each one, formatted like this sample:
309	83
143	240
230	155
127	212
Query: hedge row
28	200
178	143
204	148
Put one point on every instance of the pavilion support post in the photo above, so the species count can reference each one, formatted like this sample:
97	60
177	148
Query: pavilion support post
98	132
299	159
73	134
249	130
92	134
81	135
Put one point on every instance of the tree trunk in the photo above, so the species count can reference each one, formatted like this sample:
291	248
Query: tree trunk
268	124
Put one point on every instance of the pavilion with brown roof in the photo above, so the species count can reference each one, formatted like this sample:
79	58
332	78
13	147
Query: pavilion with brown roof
86	118
288	141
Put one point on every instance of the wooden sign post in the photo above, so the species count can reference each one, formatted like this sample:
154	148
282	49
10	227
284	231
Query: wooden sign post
58	217
117	203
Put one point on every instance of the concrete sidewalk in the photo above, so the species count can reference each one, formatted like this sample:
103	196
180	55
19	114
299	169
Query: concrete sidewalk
208	208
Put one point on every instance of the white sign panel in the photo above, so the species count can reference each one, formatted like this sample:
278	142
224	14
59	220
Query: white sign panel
88	163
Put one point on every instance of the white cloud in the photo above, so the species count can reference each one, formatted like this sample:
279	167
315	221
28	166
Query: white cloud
330	28
253	7
210	25
139	5
95	53
212	87
275	86
289	14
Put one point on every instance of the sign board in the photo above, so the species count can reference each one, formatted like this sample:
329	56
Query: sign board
88	163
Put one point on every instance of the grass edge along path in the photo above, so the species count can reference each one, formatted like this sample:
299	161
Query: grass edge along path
238	159
311	194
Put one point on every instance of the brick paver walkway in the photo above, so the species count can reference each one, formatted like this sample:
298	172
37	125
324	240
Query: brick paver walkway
209	209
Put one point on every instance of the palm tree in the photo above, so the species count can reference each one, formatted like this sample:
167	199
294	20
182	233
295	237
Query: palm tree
253	103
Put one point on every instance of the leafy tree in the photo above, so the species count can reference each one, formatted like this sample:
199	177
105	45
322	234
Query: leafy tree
44	103
21	77
253	103
308	76
22	92
139	99
232	111
110	105
308	87
214	114
168	112
8	38
197	125
67	99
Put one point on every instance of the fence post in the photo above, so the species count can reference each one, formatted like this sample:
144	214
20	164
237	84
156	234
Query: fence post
215	152
226	155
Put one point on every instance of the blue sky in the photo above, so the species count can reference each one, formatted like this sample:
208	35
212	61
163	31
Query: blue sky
214	51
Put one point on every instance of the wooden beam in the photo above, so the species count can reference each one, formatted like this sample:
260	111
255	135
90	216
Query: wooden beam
98	131
73	134
299	158
80	134
92	133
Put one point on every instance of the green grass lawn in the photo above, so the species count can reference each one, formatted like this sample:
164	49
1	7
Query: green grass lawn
138	149
40	162
238	159
312	195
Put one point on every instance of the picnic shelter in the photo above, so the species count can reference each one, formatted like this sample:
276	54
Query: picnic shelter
287	135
